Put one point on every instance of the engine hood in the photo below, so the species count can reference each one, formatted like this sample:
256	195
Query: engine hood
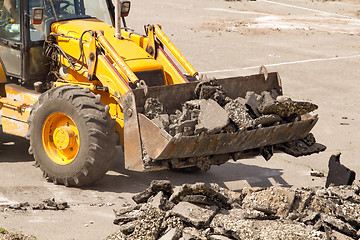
135	56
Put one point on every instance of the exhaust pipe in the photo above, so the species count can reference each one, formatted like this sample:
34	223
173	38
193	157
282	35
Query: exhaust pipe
118	8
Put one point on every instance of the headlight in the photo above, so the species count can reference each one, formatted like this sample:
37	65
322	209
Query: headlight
37	15
125	8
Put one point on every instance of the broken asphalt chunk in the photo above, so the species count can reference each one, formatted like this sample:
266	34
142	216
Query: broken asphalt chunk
338	173
193	214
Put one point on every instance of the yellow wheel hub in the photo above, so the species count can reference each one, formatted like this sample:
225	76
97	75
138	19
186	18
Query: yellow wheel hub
60	138
64	137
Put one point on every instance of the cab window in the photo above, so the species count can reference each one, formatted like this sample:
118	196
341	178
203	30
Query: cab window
10	20
56	10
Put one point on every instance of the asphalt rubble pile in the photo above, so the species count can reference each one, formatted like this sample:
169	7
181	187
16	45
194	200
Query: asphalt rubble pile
199	211
214	112
6	235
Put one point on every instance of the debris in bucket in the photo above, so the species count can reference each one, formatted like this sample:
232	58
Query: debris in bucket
213	111
200	211
301	147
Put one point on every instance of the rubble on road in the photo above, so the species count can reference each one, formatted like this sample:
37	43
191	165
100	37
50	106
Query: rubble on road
6	235
48	204
317	174
338	173
200	211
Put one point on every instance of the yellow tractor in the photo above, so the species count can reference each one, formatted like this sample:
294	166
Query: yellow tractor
74	80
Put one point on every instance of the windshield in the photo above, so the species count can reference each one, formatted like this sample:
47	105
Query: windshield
57	10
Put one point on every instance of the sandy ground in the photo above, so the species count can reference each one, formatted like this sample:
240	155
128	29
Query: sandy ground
315	47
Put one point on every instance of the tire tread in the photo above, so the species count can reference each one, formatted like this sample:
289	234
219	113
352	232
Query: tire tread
100	128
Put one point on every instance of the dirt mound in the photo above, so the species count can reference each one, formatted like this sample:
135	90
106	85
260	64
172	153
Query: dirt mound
199	211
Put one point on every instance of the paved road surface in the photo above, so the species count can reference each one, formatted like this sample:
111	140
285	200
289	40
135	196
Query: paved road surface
315	46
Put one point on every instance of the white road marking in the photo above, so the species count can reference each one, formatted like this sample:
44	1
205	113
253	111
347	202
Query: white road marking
304	8
235	11
5	201
284	63
58	193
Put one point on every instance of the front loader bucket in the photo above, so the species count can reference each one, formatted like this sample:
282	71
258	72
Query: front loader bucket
148	147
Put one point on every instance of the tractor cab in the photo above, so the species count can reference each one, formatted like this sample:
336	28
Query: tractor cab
24	26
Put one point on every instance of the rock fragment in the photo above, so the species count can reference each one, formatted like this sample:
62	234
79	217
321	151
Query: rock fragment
302	199
153	107
155	187
124	210
311	218
172	234
212	117
200	116
301	147
162	121
160	201
345	192
218	237
339	225
267	120
47	204
317	174
238	113
278	201
338	173
211	89
233	197
197	199
147	226
253	101
129	227
191	233
340	236
193	214
199	189
287	109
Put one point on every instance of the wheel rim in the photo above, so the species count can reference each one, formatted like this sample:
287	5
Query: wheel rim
60	138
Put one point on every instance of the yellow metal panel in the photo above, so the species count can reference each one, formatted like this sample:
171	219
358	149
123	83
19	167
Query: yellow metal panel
14	127
172	73
16	107
74	28
18	112
140	65
21	95
2	74
176	53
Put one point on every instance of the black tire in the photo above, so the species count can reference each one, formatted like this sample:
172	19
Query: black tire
95	128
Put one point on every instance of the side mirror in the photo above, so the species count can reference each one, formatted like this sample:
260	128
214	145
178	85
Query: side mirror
125	8
37	15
